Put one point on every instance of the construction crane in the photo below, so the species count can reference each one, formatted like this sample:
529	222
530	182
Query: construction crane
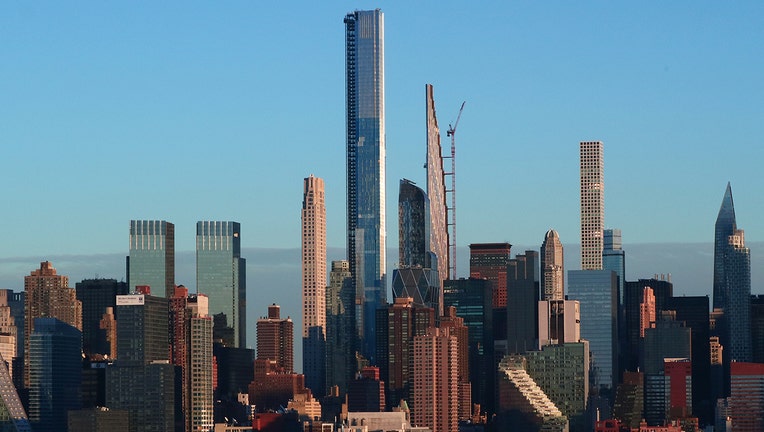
451	211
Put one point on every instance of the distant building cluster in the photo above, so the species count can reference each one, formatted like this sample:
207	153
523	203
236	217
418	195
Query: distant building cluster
512	347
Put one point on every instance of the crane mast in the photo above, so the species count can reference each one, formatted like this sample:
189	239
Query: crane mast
451	210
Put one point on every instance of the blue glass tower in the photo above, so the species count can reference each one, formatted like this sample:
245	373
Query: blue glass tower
596	290
221	275
365	84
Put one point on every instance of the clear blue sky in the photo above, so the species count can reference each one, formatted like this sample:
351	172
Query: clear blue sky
190	111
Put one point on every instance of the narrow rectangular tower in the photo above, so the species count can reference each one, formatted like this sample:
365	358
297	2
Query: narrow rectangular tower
314	284
221	275
365	97
592	205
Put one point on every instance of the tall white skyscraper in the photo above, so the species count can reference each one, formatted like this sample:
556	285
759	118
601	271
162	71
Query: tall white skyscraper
313	255
592	205
314	284
365	98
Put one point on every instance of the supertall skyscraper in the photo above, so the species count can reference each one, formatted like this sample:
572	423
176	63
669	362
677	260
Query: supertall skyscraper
365	97
592	205
552	267
436	190
314	284
152	256
221	275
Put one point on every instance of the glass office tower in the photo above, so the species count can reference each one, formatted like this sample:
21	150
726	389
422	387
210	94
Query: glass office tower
221	275
365	84
152	256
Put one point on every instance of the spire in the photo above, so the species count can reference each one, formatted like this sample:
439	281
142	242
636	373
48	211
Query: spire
727	209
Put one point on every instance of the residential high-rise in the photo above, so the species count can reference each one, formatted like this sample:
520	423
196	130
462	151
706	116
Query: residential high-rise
725	226
340	327
96	296
523	405
14	417
522	302
596	290
55	371
436	380
592	204
633	298
397	326
142	329
489	261
456	327
365	98
47	294
275	339
152	256
366	393
737	311
436	191
221	275
314	284
552	267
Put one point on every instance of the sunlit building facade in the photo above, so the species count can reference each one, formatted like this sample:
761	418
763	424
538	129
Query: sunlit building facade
152	256
592	204
365	98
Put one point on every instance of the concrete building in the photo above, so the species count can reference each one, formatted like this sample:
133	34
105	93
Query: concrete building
436	380
630	399
9	332
592	204
47	294
275	337
152	256
365	134
273	386
366	393
314	284
456	328
99	419
552	267
633	299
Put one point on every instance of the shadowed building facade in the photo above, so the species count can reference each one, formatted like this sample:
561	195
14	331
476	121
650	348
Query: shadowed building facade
313	217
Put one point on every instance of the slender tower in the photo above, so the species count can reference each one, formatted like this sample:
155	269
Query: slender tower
152	256
436	190
365	84
552	267
592	205
314	283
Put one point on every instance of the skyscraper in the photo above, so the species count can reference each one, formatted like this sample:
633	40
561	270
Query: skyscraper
152	256
313	255
725	227
48	295
552	267
221	274
522	302
365	97
436	380
592	205
436	191
314	284
596	291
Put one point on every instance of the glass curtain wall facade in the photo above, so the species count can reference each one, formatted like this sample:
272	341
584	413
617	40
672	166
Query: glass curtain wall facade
221	275
596	291
365	83
152	256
